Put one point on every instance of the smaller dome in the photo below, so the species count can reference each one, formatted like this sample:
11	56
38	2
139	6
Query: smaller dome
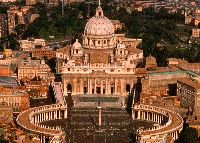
76	44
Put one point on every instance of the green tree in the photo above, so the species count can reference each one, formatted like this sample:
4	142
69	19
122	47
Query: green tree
3	9
188	135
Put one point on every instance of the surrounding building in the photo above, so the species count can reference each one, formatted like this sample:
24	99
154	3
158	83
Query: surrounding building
37	89
189	94
9	82
30	2
33	68
7	1
15	98
30	44
5	70
44	52
196	32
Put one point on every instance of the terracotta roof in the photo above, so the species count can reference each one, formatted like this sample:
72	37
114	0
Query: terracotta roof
99	56
165	69
133	50
140	71
65	50
190	82
78	61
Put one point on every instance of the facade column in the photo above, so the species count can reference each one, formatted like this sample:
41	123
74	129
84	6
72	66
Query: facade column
81	86
88	86
138	115
44	139
65	112
106	86
91	86
115	84
102	87
74	85
123	90
95	86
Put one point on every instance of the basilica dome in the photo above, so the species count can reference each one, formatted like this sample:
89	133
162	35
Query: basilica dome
99	25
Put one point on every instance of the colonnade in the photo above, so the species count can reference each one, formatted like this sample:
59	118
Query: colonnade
169	122
50	115
30	119
150	116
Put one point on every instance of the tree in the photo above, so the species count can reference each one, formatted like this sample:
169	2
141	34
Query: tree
188	135
13	44
19	29
3	10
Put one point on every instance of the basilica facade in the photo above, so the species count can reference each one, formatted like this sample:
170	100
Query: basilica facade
104	64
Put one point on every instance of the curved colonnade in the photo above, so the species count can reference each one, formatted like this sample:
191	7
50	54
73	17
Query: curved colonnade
168	122
29	121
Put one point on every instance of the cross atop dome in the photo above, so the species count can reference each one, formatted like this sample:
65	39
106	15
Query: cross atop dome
99	11
99	3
